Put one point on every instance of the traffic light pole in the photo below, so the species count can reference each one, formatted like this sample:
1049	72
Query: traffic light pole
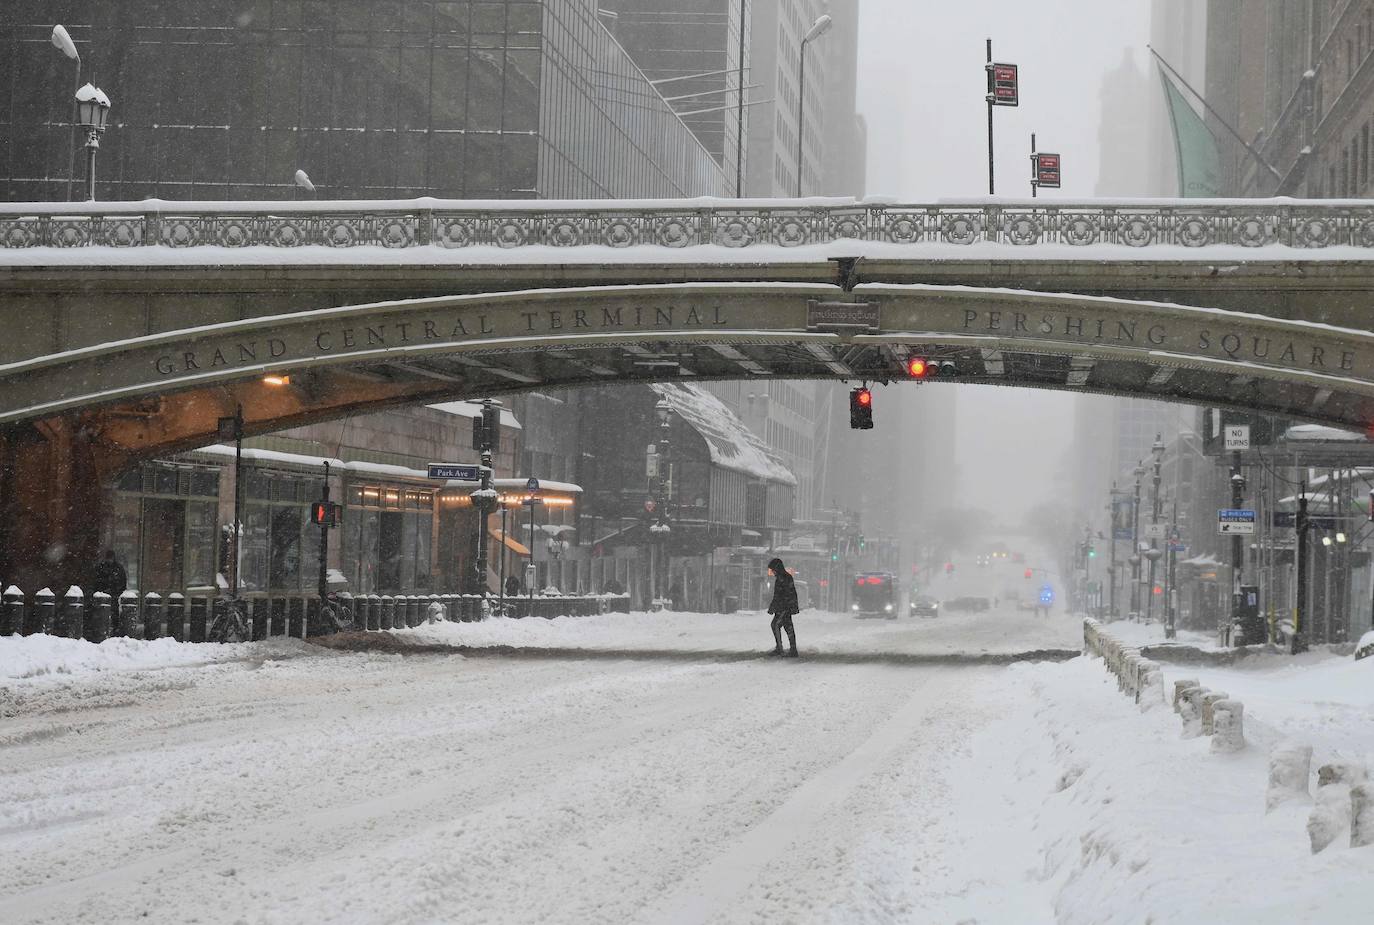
1300	605
1248	635
238	503
324	537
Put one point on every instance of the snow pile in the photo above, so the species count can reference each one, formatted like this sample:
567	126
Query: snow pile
41	655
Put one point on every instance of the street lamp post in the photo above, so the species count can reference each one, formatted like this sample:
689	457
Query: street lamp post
1134	558
1153	553
818	28
62	41
1111	567
93	111
484	498
1170	576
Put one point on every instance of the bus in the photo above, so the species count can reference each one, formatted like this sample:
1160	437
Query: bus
875	594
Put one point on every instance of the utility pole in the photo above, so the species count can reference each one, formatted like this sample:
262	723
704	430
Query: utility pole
1157	450
1035	184
1170	561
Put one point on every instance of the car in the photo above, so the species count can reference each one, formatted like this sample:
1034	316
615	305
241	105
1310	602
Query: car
924	607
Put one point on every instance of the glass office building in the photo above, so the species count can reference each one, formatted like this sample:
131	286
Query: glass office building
226	99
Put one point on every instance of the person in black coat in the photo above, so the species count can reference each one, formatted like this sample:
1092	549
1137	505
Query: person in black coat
109	576
782	607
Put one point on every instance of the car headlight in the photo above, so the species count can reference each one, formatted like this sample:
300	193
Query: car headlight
853	606
887	607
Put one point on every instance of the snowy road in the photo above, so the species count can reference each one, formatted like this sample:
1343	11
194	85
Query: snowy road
663	786
632	768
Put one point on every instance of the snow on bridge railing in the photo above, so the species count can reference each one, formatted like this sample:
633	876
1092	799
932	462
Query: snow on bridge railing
1251	223
200	615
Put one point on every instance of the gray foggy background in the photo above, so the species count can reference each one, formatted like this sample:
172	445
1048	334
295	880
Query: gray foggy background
921	88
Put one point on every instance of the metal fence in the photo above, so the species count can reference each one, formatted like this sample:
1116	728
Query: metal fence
1304	224
193	617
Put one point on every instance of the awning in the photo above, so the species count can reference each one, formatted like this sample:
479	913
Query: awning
514	545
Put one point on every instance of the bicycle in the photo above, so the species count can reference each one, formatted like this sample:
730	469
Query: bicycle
230	623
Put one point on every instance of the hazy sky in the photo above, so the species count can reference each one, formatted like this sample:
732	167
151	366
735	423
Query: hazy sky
921	88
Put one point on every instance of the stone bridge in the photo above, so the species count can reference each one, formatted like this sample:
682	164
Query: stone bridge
130	328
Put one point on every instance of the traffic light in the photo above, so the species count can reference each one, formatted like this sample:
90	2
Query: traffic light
1029	572
324	513
1092	552
918	367
861	409
861	541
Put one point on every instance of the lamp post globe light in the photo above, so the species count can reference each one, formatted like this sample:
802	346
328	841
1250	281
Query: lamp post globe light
92	112
818	28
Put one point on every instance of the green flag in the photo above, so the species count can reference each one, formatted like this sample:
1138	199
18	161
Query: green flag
1199	161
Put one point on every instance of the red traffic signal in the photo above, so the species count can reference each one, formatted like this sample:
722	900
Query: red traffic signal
1028	573
324	513
861	409
917	367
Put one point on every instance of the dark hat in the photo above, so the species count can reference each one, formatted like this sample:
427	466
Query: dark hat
777	566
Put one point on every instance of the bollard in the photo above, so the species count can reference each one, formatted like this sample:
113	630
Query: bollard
348	611
277	607
435	611
127	623
154	616
175	614
200	615
415	607
1228	726
1362	815
1152	689
261	615
451	612
1192	712
12	613
374	612
44	616
314	617
99	624
1290	766
1333	805
388	612
295	617
1179	688
1207	701
73	613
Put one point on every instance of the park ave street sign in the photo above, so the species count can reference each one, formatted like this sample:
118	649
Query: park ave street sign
1233	521
454	471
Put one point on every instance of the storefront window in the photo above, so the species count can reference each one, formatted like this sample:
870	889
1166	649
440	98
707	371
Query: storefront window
389	539
164	526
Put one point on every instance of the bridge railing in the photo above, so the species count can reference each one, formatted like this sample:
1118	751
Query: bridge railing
1302	224
191	617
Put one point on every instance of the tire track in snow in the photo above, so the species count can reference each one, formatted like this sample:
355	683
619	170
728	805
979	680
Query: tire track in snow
714	887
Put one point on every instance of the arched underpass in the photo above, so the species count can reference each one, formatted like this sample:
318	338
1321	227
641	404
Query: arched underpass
76	418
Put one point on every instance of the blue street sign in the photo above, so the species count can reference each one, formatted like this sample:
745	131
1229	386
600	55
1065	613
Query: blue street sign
532	484
454	471
1235	520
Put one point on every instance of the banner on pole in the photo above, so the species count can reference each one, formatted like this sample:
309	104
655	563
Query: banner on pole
1123	526
1046	170
1003	88
1199	160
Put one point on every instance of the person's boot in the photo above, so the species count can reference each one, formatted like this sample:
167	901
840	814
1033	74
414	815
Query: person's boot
792	652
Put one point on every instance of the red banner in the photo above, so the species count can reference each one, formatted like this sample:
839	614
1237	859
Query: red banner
1003	87
1047	170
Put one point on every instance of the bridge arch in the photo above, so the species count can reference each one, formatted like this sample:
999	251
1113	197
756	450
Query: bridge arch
73	419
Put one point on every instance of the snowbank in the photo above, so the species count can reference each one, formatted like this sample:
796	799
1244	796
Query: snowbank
35	656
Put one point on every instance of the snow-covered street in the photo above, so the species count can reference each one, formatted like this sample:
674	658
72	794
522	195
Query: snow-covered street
644	767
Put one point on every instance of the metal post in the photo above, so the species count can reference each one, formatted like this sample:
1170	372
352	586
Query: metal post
988	67
1111	568
801	113
739	109
1248	634
92	146
1170	561
1034	182
501	588
76	121
1153	554
482	501
530	590
1300	604
324	537
237	531
1135	545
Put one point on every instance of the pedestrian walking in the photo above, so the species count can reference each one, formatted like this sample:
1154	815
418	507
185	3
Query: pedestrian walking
783	607
109	576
